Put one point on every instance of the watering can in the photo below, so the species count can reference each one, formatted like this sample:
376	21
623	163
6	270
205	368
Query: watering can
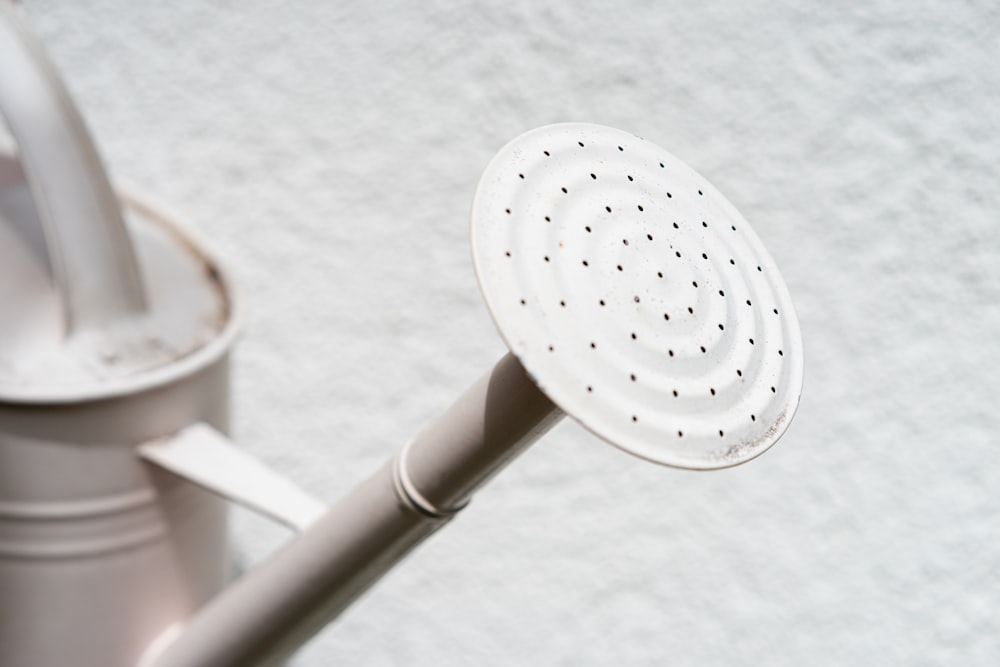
632	295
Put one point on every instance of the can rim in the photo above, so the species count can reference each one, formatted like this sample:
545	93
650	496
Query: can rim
184	367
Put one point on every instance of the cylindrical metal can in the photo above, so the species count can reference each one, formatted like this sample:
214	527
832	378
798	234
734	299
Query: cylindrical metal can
100	553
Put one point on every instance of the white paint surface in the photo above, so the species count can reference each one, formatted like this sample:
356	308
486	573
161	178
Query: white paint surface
331	151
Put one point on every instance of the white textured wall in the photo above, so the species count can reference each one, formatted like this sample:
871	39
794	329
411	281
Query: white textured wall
330	151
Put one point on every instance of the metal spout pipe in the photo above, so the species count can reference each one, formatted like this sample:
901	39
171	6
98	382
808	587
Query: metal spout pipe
281	604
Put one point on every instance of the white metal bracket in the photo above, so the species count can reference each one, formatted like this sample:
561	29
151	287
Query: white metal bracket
206	457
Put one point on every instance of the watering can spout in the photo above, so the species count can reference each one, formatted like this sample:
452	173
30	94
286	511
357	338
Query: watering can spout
631	344
279	605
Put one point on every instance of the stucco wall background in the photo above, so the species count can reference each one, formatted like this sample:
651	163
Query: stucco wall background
330	152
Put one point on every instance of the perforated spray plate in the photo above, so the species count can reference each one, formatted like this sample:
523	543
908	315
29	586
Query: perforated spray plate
636	296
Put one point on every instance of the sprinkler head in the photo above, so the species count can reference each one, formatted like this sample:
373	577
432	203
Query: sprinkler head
636	296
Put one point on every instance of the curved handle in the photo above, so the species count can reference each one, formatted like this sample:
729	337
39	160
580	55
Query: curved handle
92	258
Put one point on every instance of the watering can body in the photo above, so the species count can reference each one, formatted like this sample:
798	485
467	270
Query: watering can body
115	329
101	553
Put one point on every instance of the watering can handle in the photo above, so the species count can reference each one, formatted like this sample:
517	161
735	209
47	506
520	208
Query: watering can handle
90	252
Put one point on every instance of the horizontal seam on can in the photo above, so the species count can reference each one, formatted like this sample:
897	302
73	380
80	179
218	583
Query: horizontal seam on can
31	550
79	509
